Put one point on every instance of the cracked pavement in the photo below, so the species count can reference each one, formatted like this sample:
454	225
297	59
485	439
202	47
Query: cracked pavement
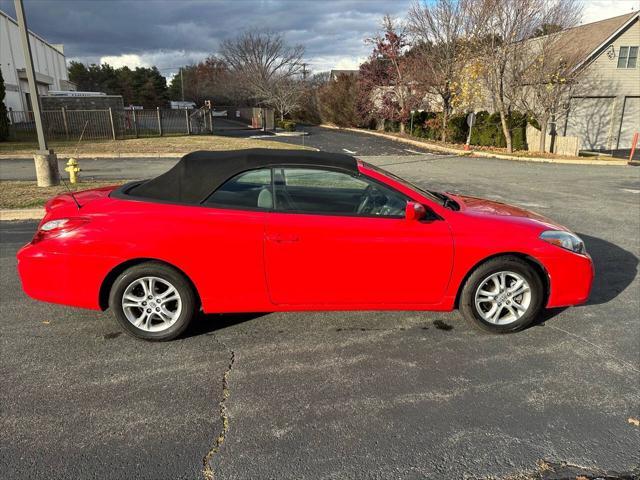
348	395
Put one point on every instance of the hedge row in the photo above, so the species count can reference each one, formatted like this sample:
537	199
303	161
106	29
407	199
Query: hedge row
486	132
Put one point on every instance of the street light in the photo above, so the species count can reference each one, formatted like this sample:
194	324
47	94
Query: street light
47	173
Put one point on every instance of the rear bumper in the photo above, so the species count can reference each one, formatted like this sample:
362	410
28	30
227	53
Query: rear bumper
62	278
570	279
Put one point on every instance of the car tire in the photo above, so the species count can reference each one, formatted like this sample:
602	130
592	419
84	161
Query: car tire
502	295
153	301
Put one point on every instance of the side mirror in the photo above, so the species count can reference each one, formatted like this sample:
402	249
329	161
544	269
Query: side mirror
414	212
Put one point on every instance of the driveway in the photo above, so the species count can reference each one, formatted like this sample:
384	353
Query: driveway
351	143
343	395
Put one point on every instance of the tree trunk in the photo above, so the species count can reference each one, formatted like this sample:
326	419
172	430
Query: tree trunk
401	126
445	120
505	128
544	121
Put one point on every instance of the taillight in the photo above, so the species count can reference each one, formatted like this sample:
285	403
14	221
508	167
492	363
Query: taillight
55	228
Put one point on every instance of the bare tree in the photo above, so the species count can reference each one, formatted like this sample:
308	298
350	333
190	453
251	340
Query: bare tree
286	95
266	67
440	30
548	70
503	28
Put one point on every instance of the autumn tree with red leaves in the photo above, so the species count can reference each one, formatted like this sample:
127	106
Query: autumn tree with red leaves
384	83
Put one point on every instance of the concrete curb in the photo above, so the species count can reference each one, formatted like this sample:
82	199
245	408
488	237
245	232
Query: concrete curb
21	214
291	134
481	153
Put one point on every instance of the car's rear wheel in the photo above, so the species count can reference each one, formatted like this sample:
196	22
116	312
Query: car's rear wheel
502	295
153	301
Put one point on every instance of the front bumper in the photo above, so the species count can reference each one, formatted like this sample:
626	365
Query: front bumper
570	279
62	278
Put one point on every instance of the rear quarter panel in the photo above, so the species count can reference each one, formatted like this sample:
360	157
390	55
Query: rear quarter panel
217	249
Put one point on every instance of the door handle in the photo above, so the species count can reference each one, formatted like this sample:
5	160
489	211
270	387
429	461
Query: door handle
278	238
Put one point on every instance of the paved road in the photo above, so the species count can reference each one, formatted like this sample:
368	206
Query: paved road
352	143
346	395
330	140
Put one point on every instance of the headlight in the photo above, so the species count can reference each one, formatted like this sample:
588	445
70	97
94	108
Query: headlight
566	240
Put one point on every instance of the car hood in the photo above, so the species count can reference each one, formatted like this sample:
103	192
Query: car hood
490	208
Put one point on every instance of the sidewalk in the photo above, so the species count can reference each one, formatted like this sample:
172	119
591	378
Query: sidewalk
480	153
21	214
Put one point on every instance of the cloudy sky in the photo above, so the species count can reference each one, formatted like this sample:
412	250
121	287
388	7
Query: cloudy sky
171	33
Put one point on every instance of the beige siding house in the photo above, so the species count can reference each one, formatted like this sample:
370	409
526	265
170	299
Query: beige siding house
604	108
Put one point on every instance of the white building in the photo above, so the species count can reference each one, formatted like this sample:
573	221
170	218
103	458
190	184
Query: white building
48	61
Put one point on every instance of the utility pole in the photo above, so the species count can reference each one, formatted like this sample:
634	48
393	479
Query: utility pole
304	72
181	84
47	173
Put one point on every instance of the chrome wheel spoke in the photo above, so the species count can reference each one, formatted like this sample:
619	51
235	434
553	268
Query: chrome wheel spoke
495	318
520	291
518	307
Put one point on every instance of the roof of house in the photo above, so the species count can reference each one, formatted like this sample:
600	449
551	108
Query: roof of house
584	42
198	174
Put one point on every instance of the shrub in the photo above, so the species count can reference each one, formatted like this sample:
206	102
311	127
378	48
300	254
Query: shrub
391	126
287	125
458	129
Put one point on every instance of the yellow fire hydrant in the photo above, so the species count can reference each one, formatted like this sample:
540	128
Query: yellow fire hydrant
73	169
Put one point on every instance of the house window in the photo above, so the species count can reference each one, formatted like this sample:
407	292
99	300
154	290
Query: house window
628	57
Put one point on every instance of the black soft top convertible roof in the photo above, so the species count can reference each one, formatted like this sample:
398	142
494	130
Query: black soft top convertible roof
198	174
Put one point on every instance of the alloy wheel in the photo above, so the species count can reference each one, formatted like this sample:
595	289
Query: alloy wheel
503	298
151	304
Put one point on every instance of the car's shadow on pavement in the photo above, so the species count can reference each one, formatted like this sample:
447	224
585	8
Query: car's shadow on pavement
615	269
210	323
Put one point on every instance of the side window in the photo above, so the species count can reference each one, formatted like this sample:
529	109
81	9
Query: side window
248	190
308	190
627	57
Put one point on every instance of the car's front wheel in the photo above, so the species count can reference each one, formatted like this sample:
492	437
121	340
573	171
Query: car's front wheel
153	301
502	295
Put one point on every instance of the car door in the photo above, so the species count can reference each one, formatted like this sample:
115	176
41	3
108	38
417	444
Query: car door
230	243
327	252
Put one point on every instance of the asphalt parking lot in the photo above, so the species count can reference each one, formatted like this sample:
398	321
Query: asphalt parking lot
343	395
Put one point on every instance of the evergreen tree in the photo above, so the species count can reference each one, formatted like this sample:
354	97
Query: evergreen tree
4	121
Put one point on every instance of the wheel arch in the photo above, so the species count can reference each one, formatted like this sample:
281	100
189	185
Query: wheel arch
110	278
537	266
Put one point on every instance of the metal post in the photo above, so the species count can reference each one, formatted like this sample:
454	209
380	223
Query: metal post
64	121
186	121
113	130
210	122
411	129
181	84
159	121
135	123
46	163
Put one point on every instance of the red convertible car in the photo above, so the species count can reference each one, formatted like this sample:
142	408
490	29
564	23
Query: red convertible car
273	230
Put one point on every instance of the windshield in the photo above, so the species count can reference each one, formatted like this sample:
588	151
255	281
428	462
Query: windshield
438	197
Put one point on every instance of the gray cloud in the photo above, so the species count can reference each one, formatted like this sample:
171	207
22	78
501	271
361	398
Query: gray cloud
170	33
